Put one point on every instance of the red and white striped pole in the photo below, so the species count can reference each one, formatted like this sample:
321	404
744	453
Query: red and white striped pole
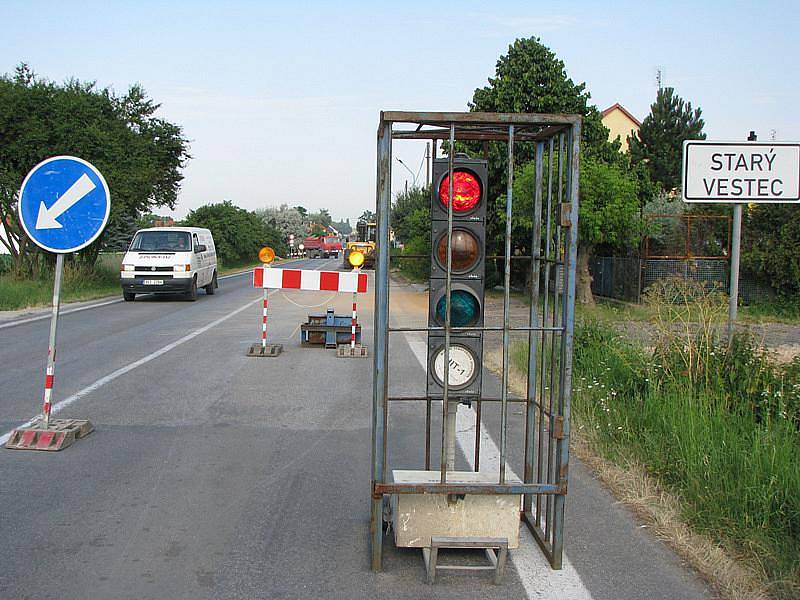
353	324
354	320
51	349
264	322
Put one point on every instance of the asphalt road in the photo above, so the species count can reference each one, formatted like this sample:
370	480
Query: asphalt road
215	475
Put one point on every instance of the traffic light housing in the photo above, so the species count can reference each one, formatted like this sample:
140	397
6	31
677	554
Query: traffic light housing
467	276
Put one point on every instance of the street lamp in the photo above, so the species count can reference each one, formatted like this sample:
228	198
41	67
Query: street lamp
409	170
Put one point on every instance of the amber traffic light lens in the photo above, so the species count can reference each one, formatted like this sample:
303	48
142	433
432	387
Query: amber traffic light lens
466	191
466	251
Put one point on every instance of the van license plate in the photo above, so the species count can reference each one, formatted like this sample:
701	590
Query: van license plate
153	282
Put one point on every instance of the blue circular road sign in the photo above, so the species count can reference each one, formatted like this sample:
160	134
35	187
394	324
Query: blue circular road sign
64	204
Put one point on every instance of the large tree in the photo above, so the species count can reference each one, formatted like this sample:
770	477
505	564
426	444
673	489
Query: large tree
608	212
238	233
659	143
140	154
531	79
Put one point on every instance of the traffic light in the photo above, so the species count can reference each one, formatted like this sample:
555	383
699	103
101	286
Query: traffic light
466	275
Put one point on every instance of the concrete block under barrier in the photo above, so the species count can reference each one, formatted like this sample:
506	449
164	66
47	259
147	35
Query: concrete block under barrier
61	434
270	350
418	517
345	351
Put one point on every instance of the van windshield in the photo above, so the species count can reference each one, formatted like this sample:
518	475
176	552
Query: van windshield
161	241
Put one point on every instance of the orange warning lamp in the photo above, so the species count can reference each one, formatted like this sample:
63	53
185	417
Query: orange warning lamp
266	255
356	258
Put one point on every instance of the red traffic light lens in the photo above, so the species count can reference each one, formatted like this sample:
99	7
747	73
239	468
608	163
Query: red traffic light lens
466	191
466	251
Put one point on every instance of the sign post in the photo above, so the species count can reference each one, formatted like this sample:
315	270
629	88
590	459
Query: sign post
64	205
266	255
738	173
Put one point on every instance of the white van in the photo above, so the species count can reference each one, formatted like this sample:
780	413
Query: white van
169	260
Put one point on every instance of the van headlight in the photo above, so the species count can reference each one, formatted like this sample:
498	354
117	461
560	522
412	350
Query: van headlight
128	268
182	268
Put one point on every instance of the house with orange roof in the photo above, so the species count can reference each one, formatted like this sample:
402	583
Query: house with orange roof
620	124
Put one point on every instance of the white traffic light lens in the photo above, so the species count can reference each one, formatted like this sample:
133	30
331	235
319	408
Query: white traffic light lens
466	251
466	191
465	309
463	367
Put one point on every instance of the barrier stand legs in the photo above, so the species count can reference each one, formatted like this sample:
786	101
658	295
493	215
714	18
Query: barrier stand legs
45	434
263	348
354	350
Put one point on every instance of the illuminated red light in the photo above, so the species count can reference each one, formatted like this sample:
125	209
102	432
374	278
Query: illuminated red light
466	191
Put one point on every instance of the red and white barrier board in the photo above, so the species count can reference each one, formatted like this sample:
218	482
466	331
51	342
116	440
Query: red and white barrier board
315	281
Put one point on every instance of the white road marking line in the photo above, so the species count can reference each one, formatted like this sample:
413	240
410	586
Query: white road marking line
538	579
58	406
61	313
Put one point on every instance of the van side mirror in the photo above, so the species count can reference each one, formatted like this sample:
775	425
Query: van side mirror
200	248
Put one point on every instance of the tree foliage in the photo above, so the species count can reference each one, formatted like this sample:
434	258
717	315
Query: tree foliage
289	221
238	233
659	143
608	211
411	222
139	154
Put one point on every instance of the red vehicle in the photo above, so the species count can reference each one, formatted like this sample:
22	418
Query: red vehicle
322	246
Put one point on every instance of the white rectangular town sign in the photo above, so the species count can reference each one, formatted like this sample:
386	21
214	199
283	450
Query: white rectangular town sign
741	172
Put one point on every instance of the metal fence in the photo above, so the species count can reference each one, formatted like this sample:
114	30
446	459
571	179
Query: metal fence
627	278
548	326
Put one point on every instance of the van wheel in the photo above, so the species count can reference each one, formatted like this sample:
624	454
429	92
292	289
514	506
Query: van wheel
212	285
192	295
128	296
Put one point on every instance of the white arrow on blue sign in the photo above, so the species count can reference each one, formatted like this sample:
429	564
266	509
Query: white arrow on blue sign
64	204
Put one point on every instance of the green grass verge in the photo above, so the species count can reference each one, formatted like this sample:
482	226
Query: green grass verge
727	445
78	284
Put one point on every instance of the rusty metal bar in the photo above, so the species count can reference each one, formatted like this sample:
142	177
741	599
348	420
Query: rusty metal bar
428	402
533	320
447	307
423	398
463	329
554	319
465	488
380	385
506	308
565	384
447	118
477	457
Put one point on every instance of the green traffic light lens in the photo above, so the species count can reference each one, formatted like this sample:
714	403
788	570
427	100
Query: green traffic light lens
466	251
465	309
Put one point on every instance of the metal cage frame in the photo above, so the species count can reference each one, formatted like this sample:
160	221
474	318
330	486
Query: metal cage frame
552	259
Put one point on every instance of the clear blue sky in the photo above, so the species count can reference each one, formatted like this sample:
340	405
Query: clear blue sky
281	100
